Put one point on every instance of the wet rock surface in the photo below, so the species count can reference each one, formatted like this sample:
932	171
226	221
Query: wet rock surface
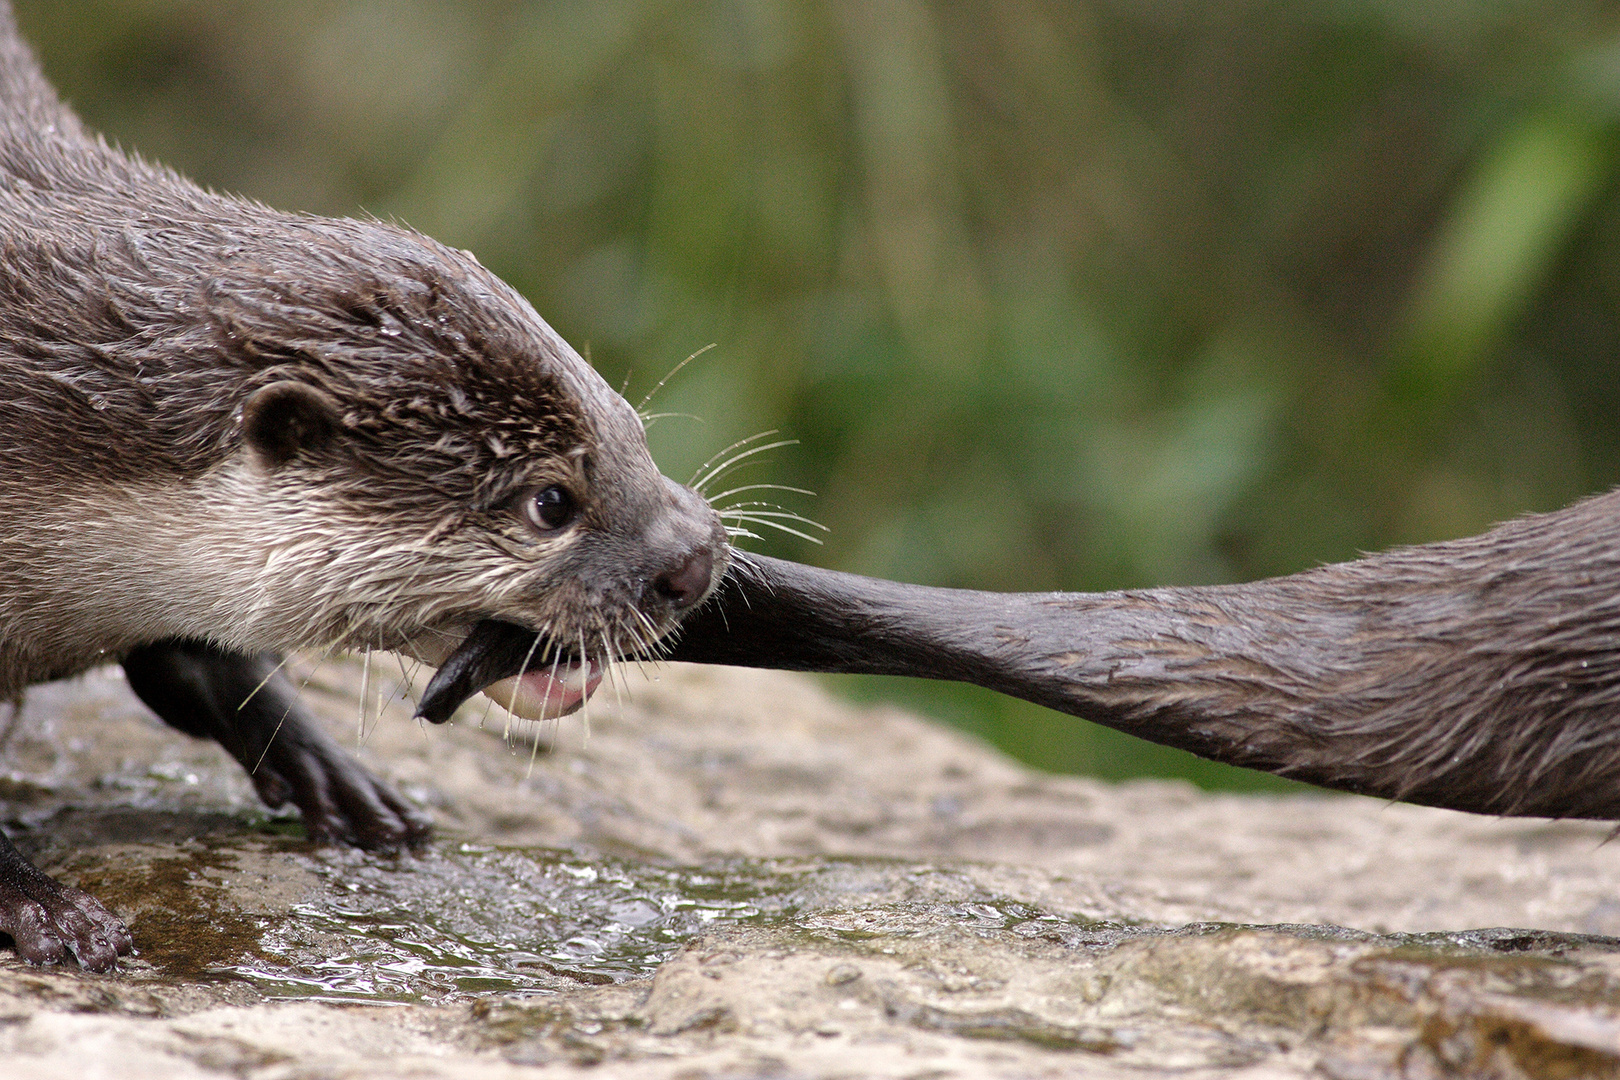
732	875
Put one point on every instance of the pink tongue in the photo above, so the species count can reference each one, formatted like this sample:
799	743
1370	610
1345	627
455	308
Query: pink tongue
538	696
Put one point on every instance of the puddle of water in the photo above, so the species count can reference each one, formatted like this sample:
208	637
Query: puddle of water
466	921
474	921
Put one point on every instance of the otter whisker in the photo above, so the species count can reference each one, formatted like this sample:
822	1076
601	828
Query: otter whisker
743	511
610	674
672	373
772	520
376	697
737	460
534	750
644	638
534	743
643	628
585	705
747	505
251	693
365	684
517	684
722	453
651	418
626	642
758	487
777	525
510	708
407	679
291	704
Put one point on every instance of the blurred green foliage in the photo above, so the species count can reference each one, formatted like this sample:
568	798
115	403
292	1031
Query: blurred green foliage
1052	294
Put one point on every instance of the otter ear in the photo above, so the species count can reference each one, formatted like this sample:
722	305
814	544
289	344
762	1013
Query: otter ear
284	419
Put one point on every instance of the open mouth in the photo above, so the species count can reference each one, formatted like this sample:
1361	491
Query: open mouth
515	669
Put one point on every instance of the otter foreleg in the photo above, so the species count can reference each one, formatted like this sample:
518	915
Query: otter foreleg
251	709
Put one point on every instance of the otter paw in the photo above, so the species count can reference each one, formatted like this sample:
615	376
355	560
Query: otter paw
51	922
341	802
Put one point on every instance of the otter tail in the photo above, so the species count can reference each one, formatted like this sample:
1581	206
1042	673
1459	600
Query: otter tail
1480	674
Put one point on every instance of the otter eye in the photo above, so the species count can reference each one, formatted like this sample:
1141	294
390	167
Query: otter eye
550	508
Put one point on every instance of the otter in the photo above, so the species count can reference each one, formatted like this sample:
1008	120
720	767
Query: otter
231	432
1480	674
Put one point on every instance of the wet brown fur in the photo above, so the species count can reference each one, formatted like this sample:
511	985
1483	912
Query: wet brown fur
139	314
1479	674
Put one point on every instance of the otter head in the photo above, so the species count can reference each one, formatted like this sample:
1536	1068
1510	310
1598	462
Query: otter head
416	453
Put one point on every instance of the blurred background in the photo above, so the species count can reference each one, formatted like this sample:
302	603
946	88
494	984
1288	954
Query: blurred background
1050	294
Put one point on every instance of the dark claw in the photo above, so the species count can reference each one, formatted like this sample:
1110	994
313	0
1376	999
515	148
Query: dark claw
51	922
251	709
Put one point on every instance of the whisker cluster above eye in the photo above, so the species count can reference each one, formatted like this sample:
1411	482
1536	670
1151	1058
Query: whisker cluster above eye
709	472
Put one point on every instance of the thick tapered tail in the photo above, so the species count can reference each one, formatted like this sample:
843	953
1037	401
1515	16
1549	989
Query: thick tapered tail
1480	674
1178	667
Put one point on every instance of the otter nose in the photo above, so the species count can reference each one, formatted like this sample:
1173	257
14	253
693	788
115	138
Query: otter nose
686	581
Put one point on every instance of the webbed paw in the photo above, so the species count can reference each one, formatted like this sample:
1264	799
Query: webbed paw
51	922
